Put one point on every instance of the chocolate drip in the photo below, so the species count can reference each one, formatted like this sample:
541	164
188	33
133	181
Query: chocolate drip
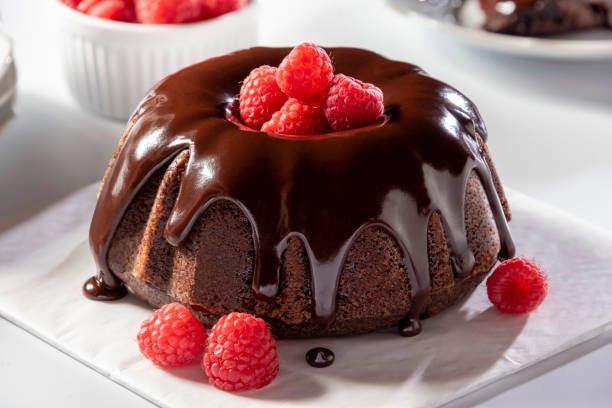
409	327
320	357
323	190
95	288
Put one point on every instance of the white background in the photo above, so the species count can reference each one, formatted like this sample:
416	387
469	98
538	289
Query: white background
550	126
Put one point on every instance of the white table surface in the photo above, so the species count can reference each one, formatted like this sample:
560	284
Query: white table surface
550	126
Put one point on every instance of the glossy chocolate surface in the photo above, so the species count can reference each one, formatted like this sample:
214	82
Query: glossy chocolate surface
323	190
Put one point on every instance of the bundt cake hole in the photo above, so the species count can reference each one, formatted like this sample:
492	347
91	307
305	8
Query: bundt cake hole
232	114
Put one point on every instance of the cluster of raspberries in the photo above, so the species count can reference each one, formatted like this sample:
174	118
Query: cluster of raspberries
239	354
156	11
304	97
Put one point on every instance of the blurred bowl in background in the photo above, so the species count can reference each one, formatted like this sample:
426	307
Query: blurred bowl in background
110	65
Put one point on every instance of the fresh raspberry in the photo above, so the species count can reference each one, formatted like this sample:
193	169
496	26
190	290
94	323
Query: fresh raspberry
118	10
517	286
169	11
351	103
84	5
305	72
71	3
171	336
214	8
260	97
241	353
297	118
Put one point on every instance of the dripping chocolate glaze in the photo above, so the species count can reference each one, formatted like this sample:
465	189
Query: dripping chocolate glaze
325	190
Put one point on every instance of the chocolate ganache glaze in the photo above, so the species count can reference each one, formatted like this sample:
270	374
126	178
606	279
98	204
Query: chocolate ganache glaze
324	190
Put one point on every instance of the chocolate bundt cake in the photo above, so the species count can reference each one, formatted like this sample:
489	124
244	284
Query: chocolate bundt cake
545	17
342	233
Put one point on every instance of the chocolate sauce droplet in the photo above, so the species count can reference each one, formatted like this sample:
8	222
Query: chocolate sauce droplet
409	327
94	288
320	357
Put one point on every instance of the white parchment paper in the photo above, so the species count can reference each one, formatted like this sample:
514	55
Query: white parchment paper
44	262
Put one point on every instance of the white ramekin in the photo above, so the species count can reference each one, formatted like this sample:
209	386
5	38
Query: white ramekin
111	65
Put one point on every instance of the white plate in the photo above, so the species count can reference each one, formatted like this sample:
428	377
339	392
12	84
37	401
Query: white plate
44	261
462	27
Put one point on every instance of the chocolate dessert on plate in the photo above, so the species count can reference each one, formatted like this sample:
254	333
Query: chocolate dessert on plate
338	233
545	17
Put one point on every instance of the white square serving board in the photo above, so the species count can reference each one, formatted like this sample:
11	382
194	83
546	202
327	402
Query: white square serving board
44	262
